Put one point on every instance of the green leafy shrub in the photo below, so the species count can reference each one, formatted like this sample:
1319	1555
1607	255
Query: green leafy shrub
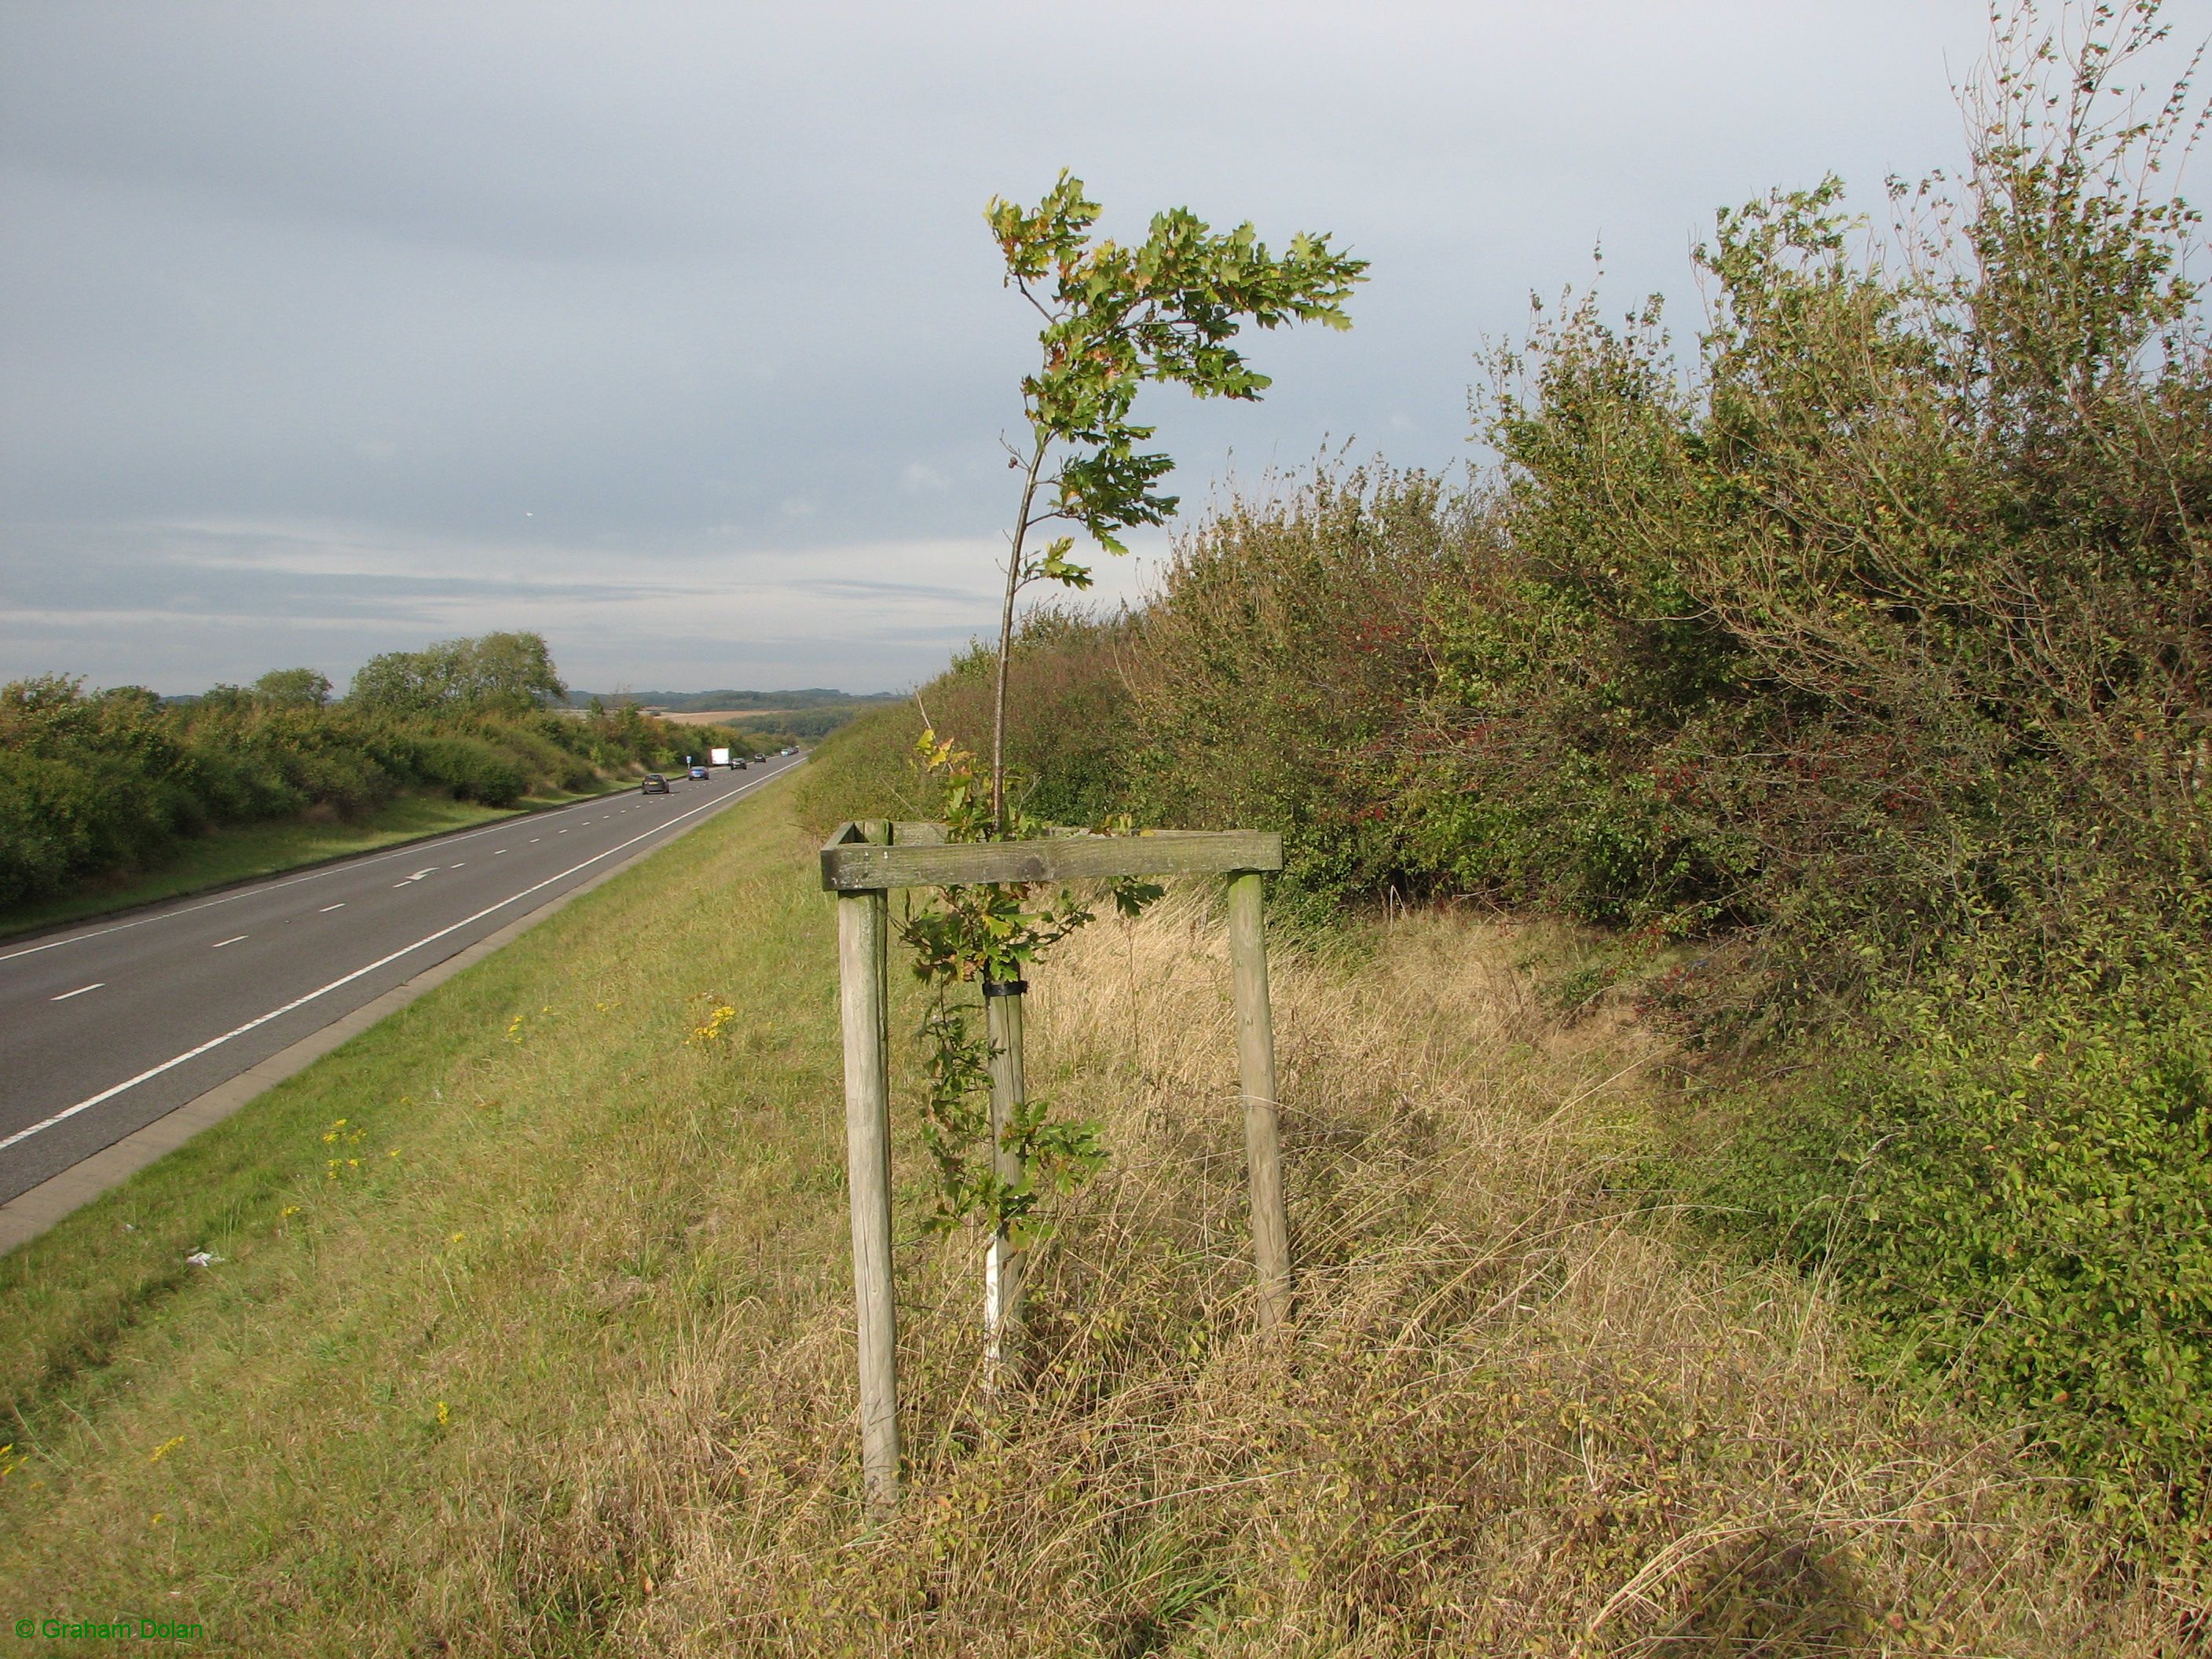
1864	642
95	782
2010	1165
471	767
1277	674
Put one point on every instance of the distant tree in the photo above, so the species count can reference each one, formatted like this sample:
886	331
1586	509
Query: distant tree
514	672
396	683
298	686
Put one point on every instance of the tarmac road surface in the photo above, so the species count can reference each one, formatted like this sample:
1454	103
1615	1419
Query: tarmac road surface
110	1025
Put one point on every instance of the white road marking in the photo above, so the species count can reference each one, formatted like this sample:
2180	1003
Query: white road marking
340	869
79	992
233	939
327	909
497	851
151	1072
457	867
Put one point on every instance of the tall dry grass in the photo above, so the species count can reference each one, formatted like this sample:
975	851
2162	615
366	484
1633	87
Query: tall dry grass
1514	1418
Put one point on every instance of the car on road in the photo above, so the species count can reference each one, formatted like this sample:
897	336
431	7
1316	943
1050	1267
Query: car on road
791	751
760	760
699	773
655	784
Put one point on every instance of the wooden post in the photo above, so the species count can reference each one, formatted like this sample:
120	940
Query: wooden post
860	863
1255	1060
863	931
1005	1269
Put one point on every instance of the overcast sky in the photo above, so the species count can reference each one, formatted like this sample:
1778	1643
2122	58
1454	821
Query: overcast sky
674	333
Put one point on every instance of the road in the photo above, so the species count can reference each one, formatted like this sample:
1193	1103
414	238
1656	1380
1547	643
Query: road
111	1026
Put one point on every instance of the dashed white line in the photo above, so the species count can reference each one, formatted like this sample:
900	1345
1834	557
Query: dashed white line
69	1112
497	851
327	909
343	867
233	939
79	992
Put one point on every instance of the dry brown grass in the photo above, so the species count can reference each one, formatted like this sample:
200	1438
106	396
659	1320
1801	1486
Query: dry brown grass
566	1367
1518	1415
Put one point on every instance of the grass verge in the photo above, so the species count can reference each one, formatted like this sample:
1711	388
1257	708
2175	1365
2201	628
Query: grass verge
531	1333
250	852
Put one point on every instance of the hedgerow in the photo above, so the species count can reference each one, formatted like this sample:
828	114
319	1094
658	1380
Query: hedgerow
93	782
1848	670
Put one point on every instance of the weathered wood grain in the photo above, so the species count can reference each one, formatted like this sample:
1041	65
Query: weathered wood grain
863	930
1255	1061
850	866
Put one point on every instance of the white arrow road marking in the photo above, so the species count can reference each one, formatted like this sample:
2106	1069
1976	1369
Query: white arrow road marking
417	877
170	1065
233	939
79	992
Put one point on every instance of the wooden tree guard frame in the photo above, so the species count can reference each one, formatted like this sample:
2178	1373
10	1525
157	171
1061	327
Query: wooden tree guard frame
861	863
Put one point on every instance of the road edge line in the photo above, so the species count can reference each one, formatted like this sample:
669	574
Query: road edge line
35	1209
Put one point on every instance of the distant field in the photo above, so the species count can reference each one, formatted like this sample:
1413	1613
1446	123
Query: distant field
725	702
720	716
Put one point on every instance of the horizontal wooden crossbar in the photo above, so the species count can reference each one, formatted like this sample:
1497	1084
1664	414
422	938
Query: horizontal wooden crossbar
918	856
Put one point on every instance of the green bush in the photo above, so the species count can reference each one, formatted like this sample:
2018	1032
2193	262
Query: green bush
1866	646
2008	1166
1069	736
471	768
1279	672
91	783
862	770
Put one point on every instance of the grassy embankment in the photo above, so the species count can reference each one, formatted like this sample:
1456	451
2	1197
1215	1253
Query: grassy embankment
248	852
531	1333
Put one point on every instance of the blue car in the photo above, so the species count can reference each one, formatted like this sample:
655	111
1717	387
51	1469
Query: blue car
699	773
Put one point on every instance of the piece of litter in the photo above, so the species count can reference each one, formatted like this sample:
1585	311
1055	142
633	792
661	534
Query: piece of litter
202	1259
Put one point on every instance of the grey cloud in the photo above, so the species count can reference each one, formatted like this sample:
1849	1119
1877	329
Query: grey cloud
556	315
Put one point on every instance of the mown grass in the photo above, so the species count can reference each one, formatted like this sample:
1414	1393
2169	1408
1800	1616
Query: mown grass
248	852
531	1333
